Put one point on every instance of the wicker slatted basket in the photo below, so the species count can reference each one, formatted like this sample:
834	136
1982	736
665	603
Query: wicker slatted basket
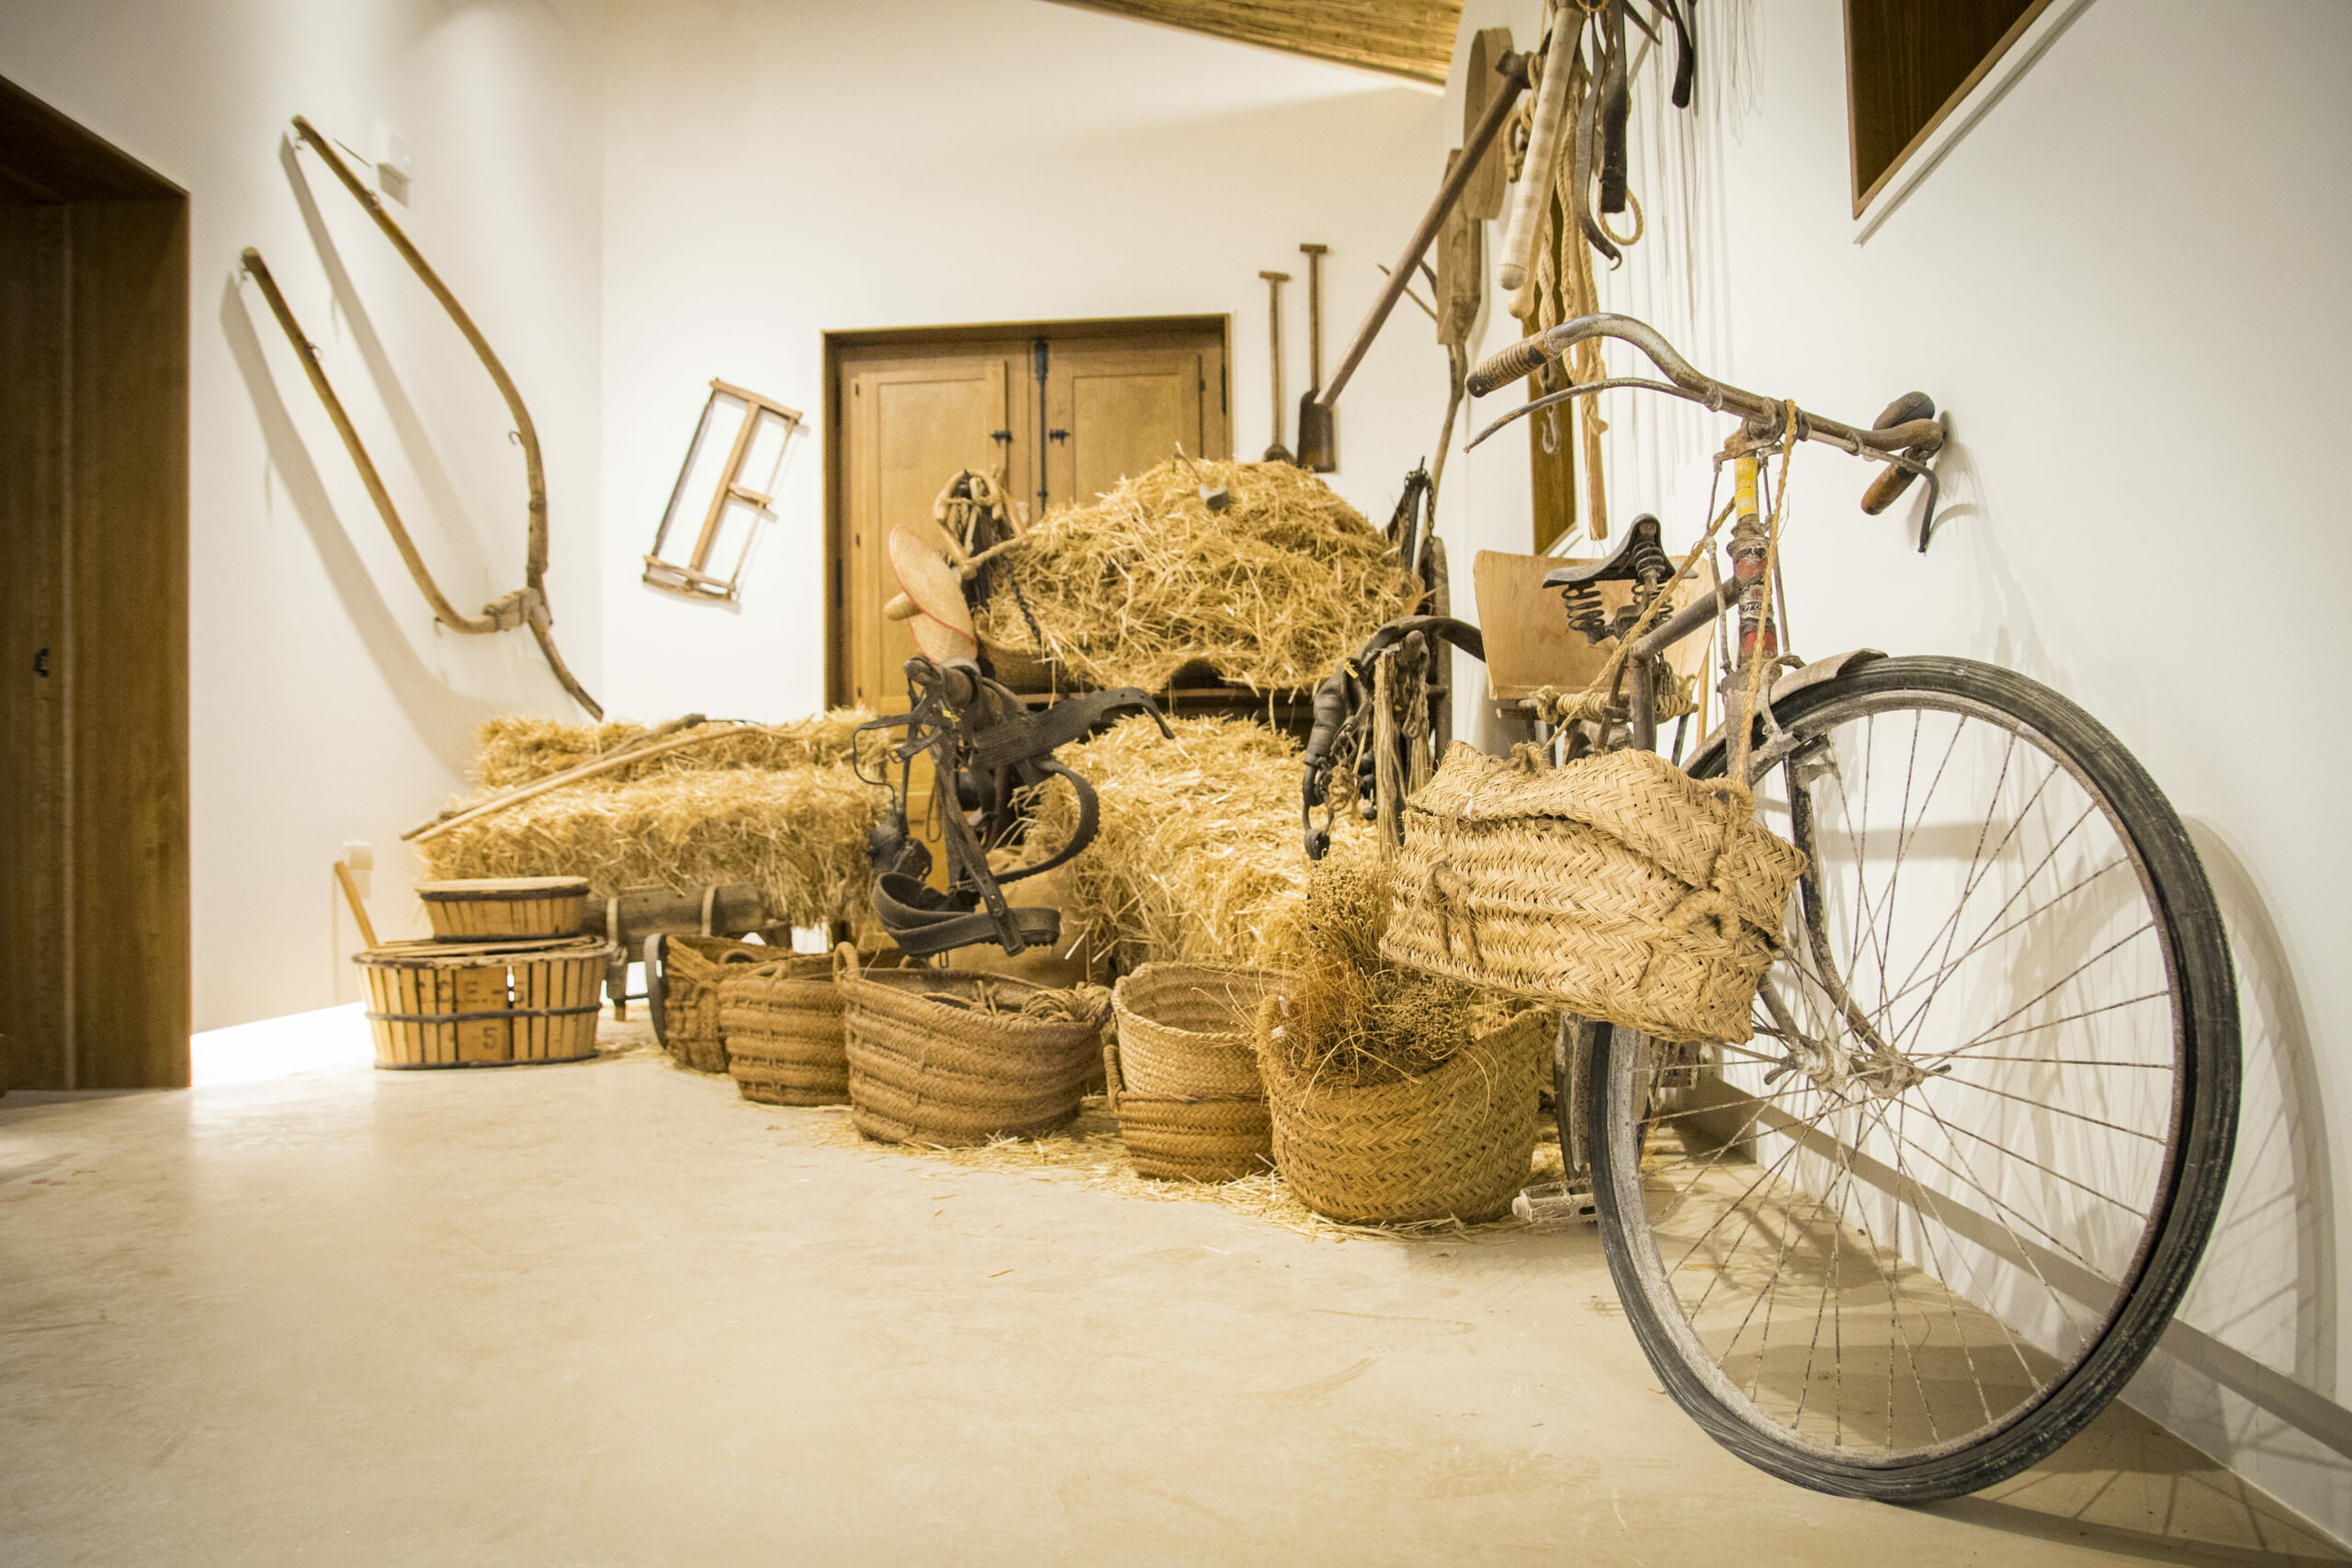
433	1004
1616	886
505	908
948	1073
785	1030
1455	1144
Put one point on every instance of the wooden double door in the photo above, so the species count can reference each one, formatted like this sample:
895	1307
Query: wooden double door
1063	409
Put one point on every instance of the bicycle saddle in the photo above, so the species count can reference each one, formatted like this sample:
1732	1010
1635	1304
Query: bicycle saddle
1641	558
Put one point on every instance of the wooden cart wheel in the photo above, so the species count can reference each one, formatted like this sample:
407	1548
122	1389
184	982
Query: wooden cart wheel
655	991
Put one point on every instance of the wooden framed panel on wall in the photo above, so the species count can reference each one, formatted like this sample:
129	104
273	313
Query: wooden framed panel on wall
1908	65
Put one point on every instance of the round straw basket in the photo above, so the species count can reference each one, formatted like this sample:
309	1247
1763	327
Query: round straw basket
783	1026
1455	1143
505	908
1185	1030
1616	886
433	1004
691	970
1206	1138
939	1072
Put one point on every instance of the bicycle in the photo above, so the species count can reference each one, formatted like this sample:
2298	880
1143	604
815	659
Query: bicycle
1920	1226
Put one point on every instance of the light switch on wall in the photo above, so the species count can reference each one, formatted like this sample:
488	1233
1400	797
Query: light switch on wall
396	166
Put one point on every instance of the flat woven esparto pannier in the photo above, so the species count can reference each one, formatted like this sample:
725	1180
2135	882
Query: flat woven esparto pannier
1183	1070
930	1072
1455	1142
781	1022
1617	887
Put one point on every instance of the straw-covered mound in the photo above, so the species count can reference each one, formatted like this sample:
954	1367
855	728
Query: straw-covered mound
519	748
704	815
1352	1017
1273	592
1199	846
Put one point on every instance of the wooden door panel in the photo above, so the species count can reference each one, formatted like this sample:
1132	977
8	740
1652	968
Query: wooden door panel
33	669
912	427
1121	411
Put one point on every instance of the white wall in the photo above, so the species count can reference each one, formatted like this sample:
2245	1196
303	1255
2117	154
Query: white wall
2133	312
776	172
325	708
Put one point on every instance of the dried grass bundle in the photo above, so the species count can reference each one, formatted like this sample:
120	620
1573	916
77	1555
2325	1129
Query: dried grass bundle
1273	590
797	833
1199	846
1351	1017
519	748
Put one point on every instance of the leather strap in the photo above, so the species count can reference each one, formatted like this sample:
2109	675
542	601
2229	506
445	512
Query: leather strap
923	920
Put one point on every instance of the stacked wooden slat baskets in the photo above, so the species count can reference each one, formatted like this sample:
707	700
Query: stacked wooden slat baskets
506	977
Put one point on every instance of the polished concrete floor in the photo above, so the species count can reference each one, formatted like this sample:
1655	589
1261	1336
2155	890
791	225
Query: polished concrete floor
607	1314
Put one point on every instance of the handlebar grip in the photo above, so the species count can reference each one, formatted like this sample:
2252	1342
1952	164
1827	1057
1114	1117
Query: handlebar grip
1525	355
1886	490
1909	424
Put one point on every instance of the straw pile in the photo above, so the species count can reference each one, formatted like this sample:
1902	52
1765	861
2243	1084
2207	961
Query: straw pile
1273	592
762	806
519	748
1199	847
1352	1018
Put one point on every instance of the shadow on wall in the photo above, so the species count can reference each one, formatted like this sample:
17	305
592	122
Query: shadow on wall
2282	1183
426	462
445	720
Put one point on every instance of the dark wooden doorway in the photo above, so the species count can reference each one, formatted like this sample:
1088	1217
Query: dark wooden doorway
94	772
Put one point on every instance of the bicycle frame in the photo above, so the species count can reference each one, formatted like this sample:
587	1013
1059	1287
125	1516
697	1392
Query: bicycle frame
1904	437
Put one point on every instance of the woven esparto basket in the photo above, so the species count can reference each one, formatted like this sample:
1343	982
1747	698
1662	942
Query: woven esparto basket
1616	886
924	1072
692	968
1190	1138
781	1022
1185	1030
1455	1142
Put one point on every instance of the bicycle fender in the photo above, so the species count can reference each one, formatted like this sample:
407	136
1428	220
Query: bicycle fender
1812	674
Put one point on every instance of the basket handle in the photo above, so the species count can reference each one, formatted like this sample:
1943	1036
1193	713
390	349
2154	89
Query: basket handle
844	954
1111	1068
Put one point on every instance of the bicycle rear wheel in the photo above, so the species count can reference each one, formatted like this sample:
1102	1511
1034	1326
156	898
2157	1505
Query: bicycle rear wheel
1922	1226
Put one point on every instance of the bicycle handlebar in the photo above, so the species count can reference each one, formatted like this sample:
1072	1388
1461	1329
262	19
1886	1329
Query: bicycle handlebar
1906	435
1531	353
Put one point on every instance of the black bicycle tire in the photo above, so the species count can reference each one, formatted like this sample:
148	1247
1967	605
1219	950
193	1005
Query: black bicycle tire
2193	929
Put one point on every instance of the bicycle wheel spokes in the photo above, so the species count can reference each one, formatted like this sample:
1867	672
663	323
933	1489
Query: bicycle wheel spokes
1893	1233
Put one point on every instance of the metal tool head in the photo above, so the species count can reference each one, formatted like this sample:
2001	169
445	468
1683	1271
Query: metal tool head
1318	444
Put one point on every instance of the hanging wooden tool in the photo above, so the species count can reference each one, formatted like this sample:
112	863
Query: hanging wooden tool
1318	442
1277	452
1490	179
1316	414
528	605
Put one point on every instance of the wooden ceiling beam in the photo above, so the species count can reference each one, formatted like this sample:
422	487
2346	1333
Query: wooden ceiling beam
1411	38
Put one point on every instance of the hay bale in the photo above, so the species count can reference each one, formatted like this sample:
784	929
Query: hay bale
1199	849
1273	592
519	748
796	833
